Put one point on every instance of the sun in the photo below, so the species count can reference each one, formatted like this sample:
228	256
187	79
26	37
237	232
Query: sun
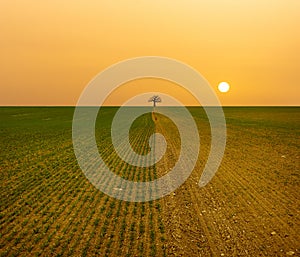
223	87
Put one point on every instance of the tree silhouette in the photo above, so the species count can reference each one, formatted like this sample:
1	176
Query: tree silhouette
155	99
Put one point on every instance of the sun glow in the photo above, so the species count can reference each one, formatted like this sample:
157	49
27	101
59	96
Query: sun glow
223	87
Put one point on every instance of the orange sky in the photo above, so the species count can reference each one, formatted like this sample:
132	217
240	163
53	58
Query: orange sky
50	50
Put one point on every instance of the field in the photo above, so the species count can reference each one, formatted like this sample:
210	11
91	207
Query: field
250	208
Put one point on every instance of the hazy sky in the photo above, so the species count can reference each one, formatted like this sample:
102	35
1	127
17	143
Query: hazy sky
50	50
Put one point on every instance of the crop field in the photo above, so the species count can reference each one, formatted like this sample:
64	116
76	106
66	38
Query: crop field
250	208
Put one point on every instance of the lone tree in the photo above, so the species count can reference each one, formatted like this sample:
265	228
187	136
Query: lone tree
155	99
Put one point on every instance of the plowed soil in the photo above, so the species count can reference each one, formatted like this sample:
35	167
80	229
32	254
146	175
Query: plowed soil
250	208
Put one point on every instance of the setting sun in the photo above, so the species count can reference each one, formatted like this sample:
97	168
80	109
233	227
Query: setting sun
223	87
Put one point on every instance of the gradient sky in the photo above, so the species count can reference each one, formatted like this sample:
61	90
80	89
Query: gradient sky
50	50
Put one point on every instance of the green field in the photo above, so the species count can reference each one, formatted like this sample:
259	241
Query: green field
250	208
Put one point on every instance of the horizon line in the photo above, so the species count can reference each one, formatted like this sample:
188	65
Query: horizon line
1	106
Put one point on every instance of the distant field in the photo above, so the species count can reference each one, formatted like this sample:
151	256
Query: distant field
250	208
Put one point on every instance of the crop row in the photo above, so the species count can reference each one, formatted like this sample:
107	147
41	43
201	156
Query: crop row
48	206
